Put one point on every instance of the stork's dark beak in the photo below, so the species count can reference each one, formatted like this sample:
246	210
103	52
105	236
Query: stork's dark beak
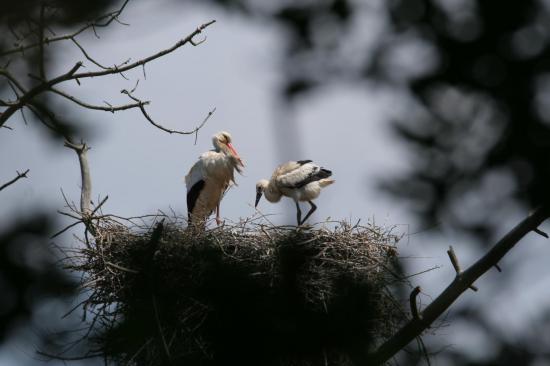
258	196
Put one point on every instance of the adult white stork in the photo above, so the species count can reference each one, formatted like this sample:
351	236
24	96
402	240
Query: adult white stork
300	180
209	178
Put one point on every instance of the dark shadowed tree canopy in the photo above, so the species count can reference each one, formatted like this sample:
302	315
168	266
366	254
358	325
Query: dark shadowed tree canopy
475	76
29	273
20	25
479	126
485	132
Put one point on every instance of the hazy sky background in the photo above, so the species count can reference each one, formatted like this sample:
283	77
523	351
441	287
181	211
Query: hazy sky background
343	127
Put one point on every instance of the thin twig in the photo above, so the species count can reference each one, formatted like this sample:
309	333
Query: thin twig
454	260
117	266
96	23
412	302
541	233
456	265
19	176
65	229
108	108
141	106
40	33
88	57
47	85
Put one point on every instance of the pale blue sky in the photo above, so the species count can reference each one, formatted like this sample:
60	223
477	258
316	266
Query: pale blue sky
343	127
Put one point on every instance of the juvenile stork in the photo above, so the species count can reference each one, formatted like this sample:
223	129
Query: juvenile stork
209	178
300	180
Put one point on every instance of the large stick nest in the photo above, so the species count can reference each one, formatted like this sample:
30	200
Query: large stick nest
244	294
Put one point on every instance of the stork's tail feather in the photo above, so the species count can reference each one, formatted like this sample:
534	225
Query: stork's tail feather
324	173
326	182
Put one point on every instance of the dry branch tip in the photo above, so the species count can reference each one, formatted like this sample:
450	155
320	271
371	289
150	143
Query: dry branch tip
454	260
412	300
540	232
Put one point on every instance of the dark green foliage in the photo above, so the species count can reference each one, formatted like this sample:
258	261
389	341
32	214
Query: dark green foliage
28	273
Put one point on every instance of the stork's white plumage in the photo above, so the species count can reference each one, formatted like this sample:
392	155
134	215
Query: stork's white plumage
209	178
300	180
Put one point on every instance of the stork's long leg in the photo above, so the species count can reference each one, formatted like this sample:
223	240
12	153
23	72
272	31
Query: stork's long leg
298	213
312	210
224	191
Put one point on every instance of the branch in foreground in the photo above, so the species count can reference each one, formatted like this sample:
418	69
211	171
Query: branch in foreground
464	280
19	176
412	301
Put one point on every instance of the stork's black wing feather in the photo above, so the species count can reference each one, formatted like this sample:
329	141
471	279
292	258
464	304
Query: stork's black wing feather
193	196
315	176
302	162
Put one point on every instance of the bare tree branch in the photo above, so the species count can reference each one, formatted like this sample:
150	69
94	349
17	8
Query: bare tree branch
412	301
454	260
28	96
141	105
86	189
10	77
108	108
65	228
115	70
88	57
541	233
19	176
102	21
40	34
46	85
456	265
416	326
99	205
67	358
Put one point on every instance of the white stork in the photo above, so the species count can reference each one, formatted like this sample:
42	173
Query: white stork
300	180
209	178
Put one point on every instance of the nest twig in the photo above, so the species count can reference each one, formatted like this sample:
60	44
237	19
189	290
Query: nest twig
245	293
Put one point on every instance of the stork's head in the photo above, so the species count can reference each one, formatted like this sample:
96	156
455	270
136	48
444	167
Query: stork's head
222	142
260	188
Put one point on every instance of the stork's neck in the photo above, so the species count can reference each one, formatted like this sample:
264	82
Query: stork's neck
217	145
271	193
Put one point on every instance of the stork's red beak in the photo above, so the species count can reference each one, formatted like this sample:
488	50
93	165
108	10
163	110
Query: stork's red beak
235	154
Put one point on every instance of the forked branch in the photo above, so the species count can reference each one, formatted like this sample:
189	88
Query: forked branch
141	104
25	97
19	176
86	188
100	22
464	280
